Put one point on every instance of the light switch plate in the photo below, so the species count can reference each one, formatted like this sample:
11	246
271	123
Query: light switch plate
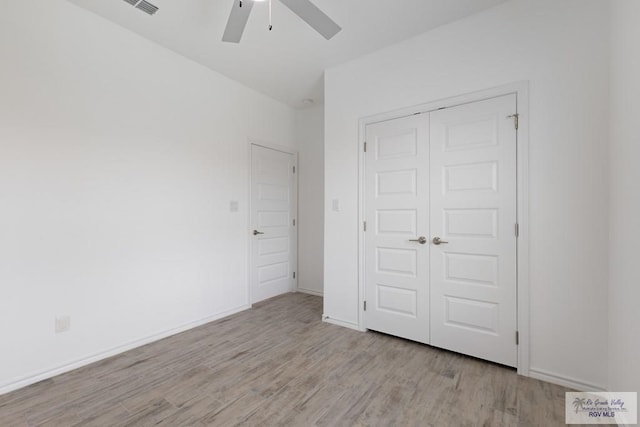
233	206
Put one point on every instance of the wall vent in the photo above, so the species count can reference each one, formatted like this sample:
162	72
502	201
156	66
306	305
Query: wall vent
132	2
147	7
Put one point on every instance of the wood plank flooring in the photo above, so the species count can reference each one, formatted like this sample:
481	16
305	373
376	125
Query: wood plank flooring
278	364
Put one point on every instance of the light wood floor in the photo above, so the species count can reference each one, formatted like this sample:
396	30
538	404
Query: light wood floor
278	364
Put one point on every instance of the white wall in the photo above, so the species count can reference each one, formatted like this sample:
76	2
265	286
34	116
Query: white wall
118	160
562	49
624	292
310	138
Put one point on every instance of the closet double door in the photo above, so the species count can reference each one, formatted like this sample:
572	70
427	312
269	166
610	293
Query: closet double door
440	244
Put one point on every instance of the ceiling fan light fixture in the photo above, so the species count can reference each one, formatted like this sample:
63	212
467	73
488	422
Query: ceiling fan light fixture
305	9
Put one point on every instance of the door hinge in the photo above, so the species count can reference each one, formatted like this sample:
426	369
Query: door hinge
294	274
294	169
517	230
365	146
517	338
365	226
294	222
516	120
365	306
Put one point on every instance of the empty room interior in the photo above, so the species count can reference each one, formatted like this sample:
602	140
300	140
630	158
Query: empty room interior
319	212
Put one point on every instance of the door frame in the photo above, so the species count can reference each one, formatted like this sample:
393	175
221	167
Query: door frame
521	90
294	240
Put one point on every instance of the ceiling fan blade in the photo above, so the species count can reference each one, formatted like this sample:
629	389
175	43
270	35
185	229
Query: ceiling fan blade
237	21
313	16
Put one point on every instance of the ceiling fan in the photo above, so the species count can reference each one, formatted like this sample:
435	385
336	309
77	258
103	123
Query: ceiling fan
306	10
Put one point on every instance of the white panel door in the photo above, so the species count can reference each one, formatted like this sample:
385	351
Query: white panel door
396	212
473	212
272	227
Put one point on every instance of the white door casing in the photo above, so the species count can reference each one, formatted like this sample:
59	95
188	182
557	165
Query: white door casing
473	208
397	197
273	231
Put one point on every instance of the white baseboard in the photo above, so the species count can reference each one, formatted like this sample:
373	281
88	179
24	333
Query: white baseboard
40	376
310	292
562	380
342	323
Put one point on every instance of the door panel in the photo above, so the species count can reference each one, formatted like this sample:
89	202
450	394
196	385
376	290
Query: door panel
397	197
272	213
473	208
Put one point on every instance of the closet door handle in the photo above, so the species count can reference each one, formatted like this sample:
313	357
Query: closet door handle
438	241
422	240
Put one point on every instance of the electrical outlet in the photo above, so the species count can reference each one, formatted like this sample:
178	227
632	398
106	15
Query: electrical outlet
63	324
335	205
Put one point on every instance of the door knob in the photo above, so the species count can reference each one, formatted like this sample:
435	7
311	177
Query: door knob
422	240
438	241
256	232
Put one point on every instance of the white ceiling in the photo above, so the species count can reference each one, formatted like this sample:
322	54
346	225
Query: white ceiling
287	63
